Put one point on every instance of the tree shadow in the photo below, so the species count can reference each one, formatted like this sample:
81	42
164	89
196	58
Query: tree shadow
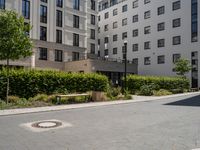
192	101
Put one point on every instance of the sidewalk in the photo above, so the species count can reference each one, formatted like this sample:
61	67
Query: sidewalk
85	105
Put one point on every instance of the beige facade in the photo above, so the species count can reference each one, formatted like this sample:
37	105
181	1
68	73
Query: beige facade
67	28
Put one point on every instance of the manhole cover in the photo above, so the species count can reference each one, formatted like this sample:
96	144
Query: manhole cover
47	124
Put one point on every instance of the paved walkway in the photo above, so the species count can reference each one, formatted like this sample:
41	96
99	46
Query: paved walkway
75	106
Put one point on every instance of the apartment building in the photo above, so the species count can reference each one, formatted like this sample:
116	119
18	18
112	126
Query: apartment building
157	32
62	30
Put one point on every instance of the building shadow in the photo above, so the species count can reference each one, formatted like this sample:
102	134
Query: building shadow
192	101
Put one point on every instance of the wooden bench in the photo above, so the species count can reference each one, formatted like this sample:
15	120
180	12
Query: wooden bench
58	97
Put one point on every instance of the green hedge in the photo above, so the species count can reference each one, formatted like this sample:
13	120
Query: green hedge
28	83
135	82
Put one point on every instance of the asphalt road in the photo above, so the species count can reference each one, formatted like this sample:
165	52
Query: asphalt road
170	124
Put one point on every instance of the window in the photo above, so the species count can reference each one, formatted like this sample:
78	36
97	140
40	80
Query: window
43	33
135	61
194	21
147	14
92	34
99	41
115	25
115	51
43	14
59	3
106	15
99	29
135	47
75	56
25	9
124	22
135	4
99	18
58	55
176	40
115	37
45	1
75	39
161	26
135	33
124	8
92	48
176	5
2	4
161	10
75	21
176	23
176	57
58	18
147	45
106	40
93	5
147	60
124	35
76	4
161	59
161	43
115	12
58	36
147	1
135	18
106	52
147	30
106	27
93	20
42	53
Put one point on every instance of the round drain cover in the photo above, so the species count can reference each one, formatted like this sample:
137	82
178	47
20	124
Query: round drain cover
46	124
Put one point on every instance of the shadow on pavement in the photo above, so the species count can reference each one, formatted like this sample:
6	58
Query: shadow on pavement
193	101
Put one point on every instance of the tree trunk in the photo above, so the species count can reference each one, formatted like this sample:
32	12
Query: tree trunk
7	90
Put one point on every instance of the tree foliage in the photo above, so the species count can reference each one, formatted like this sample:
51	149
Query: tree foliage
182	66
14	41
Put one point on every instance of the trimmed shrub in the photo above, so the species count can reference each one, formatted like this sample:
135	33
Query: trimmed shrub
29	83
135	82
146	90
162	92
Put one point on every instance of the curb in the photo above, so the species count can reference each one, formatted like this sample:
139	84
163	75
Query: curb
86	105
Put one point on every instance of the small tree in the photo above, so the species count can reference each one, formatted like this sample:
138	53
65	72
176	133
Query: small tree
182	66
14	41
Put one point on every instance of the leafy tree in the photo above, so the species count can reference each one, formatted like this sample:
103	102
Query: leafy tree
182	66
14	40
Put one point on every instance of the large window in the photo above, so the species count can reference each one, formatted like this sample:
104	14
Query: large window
194	21
59	18
76	21
43	14
92	48
147	60
58	55
93	19
75	56
76	4
176	5
176	40
161	43
58	36
59	3
75	39
43	53
26	9
43	33
93	4
2	4
92	34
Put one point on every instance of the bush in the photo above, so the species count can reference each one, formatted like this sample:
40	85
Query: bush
29	83
146	90
162	92
113	92
13	99
135	82
40	97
